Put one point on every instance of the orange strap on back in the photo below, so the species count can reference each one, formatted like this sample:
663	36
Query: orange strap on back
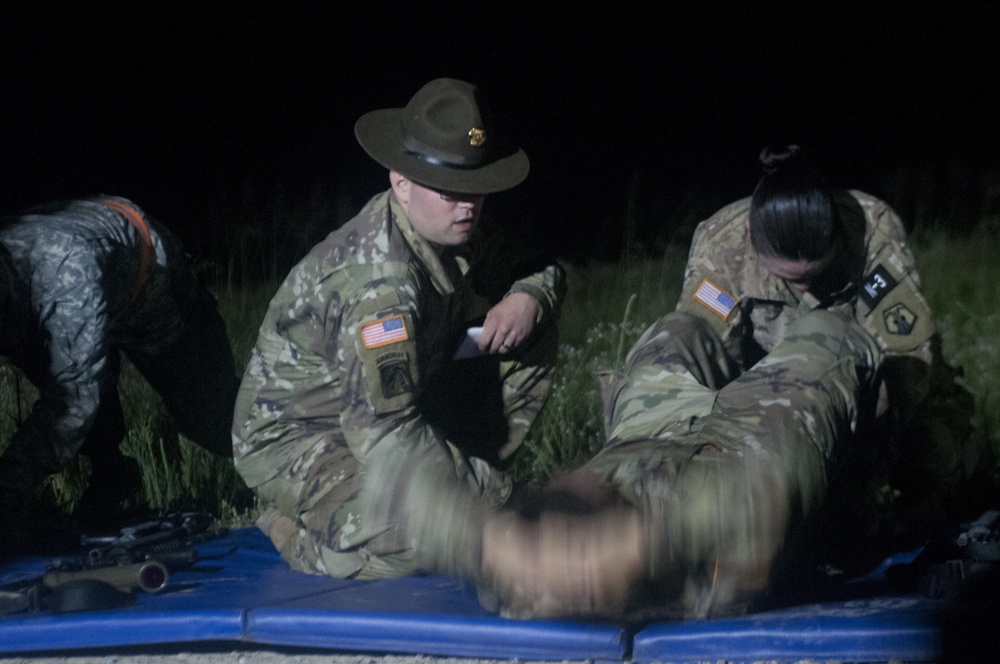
146	247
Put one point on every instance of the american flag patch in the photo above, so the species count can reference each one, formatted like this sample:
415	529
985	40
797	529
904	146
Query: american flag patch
716	299
383	332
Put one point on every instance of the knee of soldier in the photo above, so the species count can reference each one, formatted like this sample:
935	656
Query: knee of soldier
676	331
842	330
820	321
724	508
686	327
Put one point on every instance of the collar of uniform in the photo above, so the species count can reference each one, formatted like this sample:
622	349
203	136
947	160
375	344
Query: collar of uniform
421	248
845	294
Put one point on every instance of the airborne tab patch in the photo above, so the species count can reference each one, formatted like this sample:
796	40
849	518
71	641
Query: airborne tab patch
719	301
876	286
383	332
394	374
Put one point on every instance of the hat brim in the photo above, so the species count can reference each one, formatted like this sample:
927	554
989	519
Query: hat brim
379	134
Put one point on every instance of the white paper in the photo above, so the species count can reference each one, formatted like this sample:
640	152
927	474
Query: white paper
469	348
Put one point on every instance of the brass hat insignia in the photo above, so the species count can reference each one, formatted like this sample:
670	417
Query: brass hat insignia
477	137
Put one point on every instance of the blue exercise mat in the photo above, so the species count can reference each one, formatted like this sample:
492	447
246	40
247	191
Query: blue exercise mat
241	590
878	630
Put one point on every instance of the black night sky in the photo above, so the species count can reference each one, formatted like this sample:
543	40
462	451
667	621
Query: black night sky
194	108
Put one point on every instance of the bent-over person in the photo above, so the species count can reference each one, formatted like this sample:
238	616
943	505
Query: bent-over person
80	283
800	338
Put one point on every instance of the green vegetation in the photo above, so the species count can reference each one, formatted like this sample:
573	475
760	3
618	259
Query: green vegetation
959	276
607	308
596	325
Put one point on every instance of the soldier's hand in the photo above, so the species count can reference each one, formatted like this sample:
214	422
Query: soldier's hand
509	323
564	564
578	491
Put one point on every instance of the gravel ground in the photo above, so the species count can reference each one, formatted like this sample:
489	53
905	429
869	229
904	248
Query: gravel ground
282	657
255	656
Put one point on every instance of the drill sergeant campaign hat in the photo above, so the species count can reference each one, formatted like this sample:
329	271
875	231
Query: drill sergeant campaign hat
443	139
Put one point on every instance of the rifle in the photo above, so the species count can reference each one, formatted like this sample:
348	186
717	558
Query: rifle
948	567
113	568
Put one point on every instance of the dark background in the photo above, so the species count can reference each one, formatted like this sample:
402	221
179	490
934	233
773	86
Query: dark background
639	118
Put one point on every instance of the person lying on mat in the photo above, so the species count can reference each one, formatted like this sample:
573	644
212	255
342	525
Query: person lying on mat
732	418
359	352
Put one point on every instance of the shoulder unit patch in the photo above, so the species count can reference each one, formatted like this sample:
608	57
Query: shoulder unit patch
899	319
394	374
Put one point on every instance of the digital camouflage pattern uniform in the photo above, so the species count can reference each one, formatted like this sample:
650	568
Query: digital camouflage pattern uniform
735	413
87	279
345	367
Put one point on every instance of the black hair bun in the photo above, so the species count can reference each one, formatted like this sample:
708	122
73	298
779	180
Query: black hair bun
773	157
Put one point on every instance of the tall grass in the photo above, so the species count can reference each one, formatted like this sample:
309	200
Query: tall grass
966	304
959	278
607	307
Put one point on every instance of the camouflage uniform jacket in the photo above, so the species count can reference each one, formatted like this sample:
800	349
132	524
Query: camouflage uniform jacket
78	290
875	280
351	335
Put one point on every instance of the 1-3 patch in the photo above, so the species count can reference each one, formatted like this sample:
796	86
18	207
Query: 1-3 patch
876	286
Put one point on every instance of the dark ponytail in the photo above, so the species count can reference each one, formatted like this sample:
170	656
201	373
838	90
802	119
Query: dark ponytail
791	213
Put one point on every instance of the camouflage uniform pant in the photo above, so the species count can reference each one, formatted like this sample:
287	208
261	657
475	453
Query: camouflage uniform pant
317	516
722	465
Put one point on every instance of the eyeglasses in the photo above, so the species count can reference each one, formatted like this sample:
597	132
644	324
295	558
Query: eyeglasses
456	197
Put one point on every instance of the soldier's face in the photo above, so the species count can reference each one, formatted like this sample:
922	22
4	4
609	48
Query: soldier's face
442	218
800	274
